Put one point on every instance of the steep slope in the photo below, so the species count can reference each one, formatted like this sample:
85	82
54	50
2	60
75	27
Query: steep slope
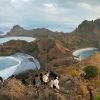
61	47
47	51
86	35
53	53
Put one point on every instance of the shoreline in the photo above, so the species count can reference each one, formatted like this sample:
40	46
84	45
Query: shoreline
24	64
9	38
76	53
7	72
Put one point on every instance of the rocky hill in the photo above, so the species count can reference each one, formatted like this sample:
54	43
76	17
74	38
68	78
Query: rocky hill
72	87
89	27
39	32
48	51
87	34
54	50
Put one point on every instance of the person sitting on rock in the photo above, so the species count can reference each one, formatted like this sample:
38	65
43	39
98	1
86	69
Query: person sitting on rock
51	83
53	74
41	77
45	78
37	81
55	83
48	73
1	81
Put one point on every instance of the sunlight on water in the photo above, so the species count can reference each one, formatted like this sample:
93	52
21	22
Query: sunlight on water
6	39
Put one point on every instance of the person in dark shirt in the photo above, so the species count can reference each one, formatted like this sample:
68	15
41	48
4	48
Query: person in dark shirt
41	77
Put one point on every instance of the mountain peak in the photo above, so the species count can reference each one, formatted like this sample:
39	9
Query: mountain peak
97	20
20	31
89	26
17	27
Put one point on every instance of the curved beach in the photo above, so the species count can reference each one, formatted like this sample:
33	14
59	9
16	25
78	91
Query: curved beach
25	63
78	53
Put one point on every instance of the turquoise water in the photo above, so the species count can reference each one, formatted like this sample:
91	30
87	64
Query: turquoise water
16	64
84	54
6	63
87	54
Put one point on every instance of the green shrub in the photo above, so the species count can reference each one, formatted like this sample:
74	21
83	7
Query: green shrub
91	71
98	97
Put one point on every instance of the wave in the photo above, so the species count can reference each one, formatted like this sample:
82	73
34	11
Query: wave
24	64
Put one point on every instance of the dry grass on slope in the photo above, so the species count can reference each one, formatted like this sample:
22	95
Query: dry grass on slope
12	89
61	47
94	59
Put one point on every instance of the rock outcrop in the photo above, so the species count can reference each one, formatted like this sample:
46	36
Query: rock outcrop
70	89
48	51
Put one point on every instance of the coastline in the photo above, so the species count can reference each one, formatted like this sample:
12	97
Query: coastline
25	38
23	65
26	64
6	73
76	53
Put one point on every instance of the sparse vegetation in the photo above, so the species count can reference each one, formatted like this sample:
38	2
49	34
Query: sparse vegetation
32	49
98	97
50	58
96	83
55	65
74	73
91	71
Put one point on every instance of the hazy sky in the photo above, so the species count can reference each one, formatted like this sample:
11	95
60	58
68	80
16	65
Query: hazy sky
57	15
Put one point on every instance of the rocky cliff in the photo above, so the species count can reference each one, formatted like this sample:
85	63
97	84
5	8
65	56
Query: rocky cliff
87	34
48	51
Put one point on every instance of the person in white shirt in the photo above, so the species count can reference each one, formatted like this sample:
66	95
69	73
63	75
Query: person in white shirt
45	78
48	74
55	83
51	83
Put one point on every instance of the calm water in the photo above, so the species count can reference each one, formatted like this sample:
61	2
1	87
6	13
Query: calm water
16	64
84	53
6	39
87	54
6	63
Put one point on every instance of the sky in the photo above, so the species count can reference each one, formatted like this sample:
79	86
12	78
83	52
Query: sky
57	15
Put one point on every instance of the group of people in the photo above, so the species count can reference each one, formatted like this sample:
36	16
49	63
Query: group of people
47	79
50	79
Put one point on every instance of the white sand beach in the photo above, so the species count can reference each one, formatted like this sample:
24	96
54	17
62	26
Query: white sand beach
78	53
25	63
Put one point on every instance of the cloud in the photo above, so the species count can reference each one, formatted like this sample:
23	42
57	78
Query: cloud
84	5
59	15
48	5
